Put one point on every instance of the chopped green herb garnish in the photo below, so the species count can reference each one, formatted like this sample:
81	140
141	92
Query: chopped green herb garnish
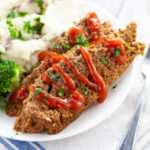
61	92
117	52
27	26
83	87
81	40
104	61
50	72
114	86
38	91
16	133
11	15
15	34
86	93
36	29
58	81
9	23
67	47
40	5
54	76
57	46
77	46
46	95
76	63
21	14
38	19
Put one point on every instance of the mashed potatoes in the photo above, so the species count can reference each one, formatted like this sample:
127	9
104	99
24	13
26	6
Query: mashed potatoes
27	26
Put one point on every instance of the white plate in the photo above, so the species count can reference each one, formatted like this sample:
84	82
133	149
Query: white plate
95	114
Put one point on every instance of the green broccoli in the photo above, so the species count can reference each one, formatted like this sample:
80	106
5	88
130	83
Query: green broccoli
10	75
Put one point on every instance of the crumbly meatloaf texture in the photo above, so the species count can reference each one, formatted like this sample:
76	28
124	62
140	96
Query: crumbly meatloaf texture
36	117
104	30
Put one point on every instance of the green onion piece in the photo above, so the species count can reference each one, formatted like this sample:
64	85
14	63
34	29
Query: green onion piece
114	86
61	92
86	93
117	52
9	23
11	15
38	91
21	14
57	46
54	76
58	81
83	87
40	5
67	47
46	95
81	40
104	61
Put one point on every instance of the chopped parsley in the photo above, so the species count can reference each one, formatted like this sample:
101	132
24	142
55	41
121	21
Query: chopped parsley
9	23
77	46
61	92
65	46
81	40
117	52
83	87
86	93
54	76
11	14
15	34
114	86
58	81
21	14
36	29
38	91
40	5
46	95
76	63
16	133
57	46
104	61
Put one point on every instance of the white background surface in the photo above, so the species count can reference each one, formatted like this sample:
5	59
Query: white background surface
125	11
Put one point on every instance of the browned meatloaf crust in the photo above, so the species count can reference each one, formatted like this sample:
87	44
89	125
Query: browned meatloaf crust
36	117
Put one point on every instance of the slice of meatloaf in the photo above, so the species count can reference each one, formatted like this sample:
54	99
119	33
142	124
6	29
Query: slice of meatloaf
37	117
13	110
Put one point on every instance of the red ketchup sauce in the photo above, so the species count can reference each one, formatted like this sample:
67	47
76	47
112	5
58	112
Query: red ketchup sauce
93	24
112	46
66	80
98	85
73	33
19	94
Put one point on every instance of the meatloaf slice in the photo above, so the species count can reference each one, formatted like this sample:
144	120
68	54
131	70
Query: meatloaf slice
13	110
36	117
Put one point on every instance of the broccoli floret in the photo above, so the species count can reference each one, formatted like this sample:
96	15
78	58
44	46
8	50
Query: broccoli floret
10	75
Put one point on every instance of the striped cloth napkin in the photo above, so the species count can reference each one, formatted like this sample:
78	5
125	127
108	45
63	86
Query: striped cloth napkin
9	144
